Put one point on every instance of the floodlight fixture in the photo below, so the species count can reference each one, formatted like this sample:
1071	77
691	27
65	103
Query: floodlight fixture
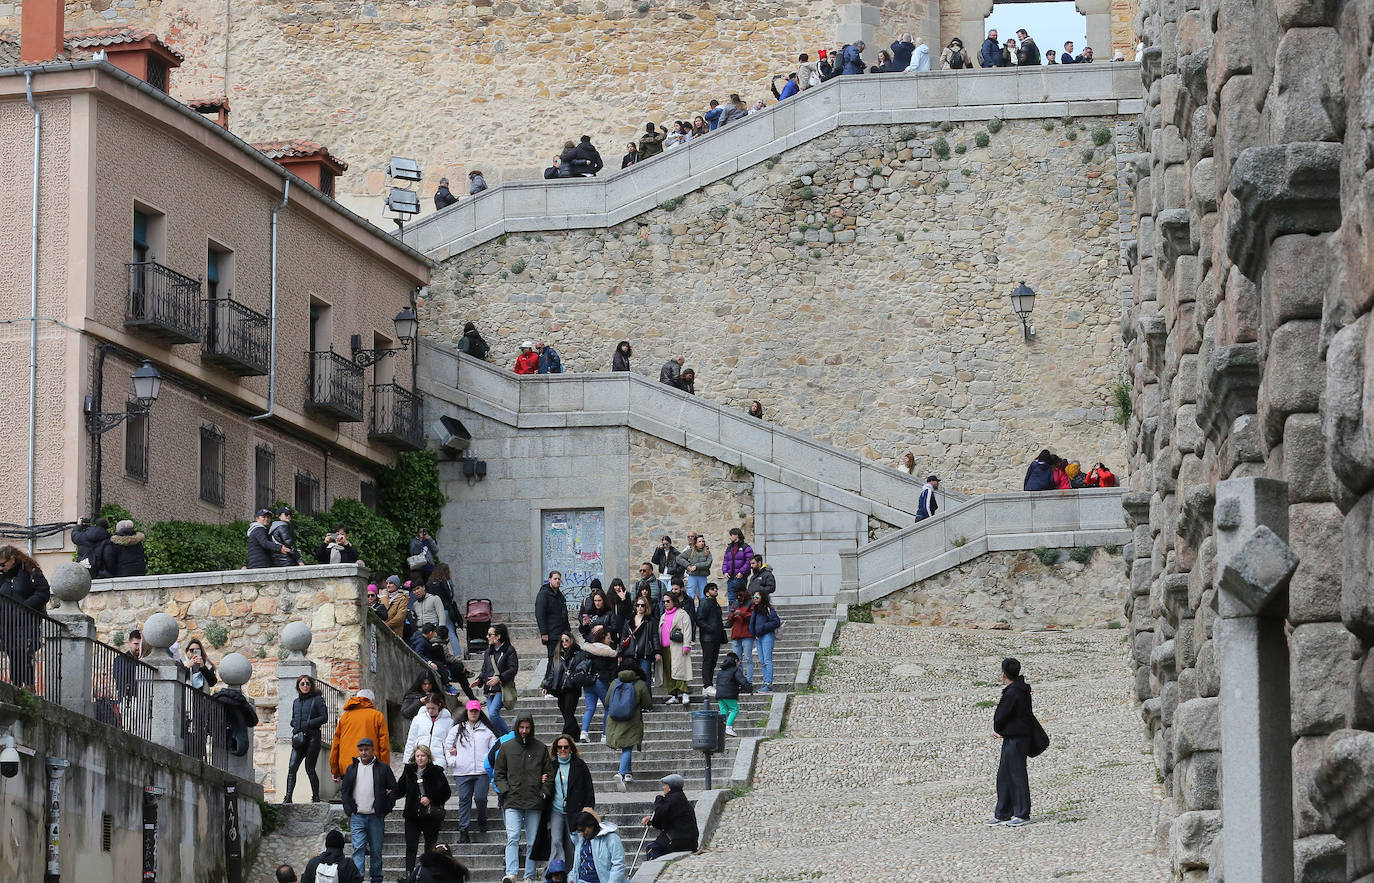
403	169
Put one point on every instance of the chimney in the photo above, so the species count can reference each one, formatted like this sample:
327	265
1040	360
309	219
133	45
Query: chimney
216	109
41	25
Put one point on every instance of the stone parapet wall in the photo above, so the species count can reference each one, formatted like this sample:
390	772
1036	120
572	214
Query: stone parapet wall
1015	590
857	285
1246	345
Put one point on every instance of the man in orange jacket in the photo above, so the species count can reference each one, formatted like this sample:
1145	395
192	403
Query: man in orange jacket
360	719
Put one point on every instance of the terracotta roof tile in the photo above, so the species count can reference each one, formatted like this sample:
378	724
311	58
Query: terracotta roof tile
297	148
95	38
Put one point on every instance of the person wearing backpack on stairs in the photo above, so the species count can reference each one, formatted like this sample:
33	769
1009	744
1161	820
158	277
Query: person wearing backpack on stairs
1014	724
597	677
625	706
331	866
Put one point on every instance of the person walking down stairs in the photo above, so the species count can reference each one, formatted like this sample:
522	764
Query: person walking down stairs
625	705
523	777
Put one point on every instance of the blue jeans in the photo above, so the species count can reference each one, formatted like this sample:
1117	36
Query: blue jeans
472	789
744	649
592	695
501	728
625	755
367	833
517	819
696	586
733	586
647	667
765	645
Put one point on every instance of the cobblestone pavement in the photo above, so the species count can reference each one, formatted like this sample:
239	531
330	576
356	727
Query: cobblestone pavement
887	771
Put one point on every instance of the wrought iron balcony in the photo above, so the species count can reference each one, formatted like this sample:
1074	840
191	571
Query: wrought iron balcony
396	417
236	337
336	386
163	303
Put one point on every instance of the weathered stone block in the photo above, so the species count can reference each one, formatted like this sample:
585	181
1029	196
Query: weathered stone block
1304	459
1362	693
1296	277
1197	725
1305	13
1307	97
1319	859
1191	836
1288	188
1292	381
1314	592
1349	440
1208	673
1320	668
1239	124
1306	759
1197	780
1357	577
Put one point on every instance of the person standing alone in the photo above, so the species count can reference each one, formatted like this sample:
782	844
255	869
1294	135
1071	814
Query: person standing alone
925	504
551	613
1014	724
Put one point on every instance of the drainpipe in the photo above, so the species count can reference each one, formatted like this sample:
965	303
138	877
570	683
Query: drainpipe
272	369
33	307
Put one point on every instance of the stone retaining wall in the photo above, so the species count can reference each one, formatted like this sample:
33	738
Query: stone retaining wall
1247	342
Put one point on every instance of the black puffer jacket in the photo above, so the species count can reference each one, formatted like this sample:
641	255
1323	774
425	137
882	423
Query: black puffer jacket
88	540
29	589
710	626
309	713
551	613
1013	715
261	550
123	555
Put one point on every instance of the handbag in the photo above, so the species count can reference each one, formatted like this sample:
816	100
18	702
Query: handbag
432	813
675	636
298	741
415	562
1039	740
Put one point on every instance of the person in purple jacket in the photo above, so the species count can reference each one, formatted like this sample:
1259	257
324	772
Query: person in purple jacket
735	564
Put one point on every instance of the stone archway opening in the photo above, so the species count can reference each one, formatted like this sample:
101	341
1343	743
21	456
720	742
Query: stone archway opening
1096	15
1050	24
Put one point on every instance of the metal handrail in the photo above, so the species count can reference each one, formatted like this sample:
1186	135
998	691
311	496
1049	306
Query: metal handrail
161	297
396	414
335	383
30	654
236	333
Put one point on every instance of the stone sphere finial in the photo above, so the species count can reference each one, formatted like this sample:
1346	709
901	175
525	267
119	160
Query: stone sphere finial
70	583
235	670
296	638
160	631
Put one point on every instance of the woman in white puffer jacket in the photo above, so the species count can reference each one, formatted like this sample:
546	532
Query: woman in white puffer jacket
430	728
465	751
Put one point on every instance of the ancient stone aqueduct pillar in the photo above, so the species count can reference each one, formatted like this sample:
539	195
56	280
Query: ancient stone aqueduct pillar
1251	283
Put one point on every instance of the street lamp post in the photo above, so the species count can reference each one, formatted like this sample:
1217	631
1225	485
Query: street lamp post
147	381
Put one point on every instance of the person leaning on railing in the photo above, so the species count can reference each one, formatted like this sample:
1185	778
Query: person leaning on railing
22	582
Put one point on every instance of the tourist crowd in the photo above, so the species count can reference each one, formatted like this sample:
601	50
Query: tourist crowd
1049	472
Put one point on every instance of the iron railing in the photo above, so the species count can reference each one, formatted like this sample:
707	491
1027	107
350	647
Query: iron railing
30	650
336	386
163	302
205	735
396	417
121	690
334	700
236	337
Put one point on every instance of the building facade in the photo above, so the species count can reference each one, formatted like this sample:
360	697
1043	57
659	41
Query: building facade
162	237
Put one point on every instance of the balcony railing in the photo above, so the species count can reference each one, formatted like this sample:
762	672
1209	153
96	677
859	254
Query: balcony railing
396	417
121	689
236	337
163	303
206	732
336	386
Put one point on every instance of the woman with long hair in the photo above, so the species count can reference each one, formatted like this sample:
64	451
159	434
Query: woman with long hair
620	360
309	714
500	665
466	749
764	623
697	561
430	727
640	648
599	613
560	686
21	581
200	672
425	789
572	793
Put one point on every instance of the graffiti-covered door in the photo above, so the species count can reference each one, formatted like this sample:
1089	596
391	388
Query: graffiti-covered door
574	541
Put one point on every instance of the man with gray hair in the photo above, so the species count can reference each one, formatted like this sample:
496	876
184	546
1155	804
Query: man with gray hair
901	52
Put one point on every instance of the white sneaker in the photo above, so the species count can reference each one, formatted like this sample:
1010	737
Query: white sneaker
686	700
995	822
584	738
1016	822
730	731
671	700
620	781
629	777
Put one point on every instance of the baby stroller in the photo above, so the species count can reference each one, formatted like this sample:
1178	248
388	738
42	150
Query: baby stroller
478	619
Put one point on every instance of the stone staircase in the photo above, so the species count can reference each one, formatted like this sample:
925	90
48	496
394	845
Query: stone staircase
667	749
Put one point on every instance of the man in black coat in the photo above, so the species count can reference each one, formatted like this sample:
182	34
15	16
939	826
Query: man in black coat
367	794
674	817
1012	722
710	633
262	550
901	52
551	613
443	197
88	538
586	158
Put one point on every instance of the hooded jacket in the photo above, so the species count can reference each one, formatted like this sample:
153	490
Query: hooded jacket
261	550
430	732
735	561
348	872
1039	477
549	361
651	144
29	589
360	718
88	541
901	54
527	362
123	555
674	816
284	535
763	581
628	734
1028	52
436	867
1012	717
920	59
519	767
730	681
466	748
476	184
947	59
608	855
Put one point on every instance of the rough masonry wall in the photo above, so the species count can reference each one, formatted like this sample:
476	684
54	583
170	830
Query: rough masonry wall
858	286
1247	351
673	491
1014	590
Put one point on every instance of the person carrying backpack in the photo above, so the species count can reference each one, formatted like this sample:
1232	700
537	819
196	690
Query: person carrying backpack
331	866
1022	737
625	705
954	57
